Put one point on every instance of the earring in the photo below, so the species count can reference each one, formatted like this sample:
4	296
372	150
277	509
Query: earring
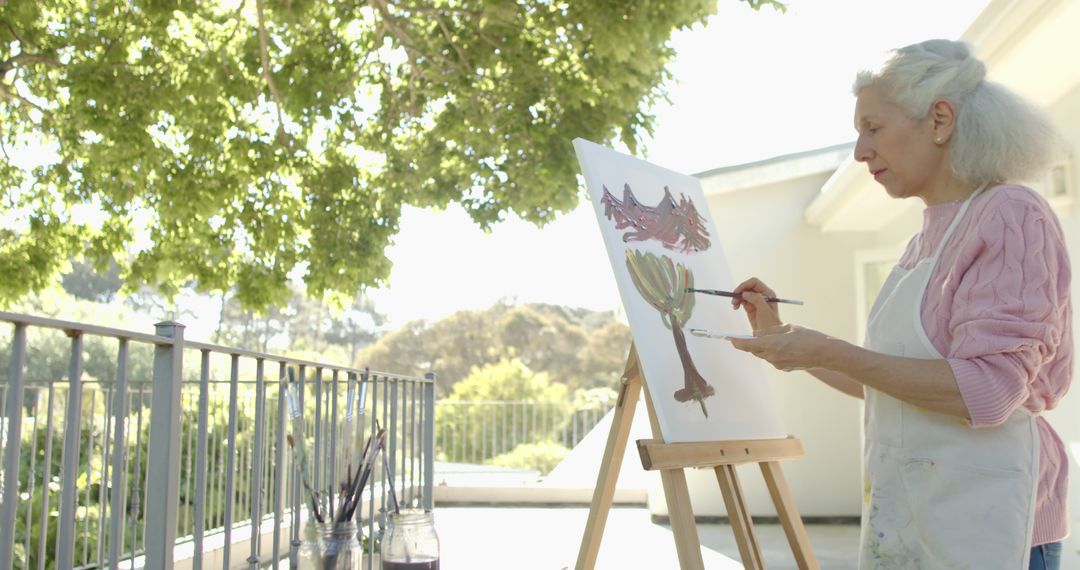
939	140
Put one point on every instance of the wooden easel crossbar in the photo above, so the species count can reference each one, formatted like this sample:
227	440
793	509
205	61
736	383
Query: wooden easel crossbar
671	459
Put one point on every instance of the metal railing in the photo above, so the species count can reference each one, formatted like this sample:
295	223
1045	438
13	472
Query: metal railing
477	431
154	455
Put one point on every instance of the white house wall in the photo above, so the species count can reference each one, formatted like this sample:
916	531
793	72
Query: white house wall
1066	419
763	234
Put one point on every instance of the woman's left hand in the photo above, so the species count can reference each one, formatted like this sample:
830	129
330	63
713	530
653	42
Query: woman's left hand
787	347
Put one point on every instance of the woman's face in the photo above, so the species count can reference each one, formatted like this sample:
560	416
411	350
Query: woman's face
899	151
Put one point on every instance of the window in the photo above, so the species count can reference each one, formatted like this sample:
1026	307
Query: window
1058	186
872	267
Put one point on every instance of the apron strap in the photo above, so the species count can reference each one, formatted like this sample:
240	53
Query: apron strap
916	314
956	221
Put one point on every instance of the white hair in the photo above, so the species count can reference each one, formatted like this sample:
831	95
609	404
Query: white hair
998	137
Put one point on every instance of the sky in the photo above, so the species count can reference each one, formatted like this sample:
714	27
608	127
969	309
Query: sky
748	85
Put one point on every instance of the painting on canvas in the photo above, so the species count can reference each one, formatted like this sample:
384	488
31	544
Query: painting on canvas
661	241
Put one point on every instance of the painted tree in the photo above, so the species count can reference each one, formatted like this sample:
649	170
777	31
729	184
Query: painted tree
677	226
663	283
228	144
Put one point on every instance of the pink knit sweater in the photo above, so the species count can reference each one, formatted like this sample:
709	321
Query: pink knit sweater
998	308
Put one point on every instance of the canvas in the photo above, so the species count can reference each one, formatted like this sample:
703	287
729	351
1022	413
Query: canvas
661	240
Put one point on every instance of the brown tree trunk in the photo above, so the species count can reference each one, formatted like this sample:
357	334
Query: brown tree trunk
695	387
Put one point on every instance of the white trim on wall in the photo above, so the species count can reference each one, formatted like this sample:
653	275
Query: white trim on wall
863	295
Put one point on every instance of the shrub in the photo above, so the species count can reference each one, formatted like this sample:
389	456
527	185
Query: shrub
543	456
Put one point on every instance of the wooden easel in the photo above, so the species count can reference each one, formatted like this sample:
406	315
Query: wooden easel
671	459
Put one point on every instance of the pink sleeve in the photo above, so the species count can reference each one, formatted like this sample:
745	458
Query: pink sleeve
1008	311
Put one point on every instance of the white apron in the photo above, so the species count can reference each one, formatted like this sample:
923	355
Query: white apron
938	493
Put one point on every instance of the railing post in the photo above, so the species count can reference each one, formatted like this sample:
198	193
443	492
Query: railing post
429	440
414	444
333	478
230	459
279	462
317	471
163	461
294	529
390	455
65	527
258	463
117	494
13	434
201	444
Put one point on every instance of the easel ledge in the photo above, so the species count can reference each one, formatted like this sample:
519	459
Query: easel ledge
655	454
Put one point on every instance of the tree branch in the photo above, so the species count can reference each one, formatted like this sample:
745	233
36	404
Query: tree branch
3	147
239	20
406	43
450	40
221	50
19	38
24	59
389	21
404	36
112	41
5	93
433	11
380	33
32	58
264	55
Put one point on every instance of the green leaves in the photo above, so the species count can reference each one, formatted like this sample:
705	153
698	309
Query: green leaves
211	167
662	283
28	260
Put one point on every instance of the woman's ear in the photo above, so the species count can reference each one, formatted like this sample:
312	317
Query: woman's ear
943	120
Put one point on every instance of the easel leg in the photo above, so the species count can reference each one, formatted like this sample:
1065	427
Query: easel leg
741	523
610	464
789	516
683	526
677	495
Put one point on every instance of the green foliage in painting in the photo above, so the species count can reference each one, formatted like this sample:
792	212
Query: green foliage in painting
663	285
229	144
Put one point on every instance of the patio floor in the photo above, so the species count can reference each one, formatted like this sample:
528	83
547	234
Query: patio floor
548	538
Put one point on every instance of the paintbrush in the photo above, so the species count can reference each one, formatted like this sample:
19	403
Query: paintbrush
304	479
739	295
299	452
374	445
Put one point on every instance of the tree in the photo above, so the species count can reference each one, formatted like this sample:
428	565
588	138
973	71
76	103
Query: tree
603	358
84	281
664	284
355	328
231	144
487	392
576	347
544	342
301	325
243	327
449	347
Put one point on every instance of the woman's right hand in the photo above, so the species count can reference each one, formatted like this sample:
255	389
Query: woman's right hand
761	314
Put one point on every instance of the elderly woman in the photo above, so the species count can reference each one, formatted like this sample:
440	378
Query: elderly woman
970	338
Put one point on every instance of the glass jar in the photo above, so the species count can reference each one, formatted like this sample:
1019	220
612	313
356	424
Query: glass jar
340	548
309	554
411	543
